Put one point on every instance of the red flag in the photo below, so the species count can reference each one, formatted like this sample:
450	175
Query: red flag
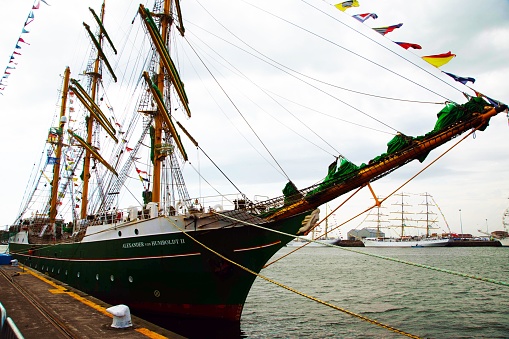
21	40
128	149
407	45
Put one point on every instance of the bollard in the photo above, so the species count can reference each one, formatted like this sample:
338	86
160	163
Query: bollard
121	316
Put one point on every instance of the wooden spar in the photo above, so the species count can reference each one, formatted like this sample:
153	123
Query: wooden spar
103	30
92	151
158	119
179	15
94	109
166	61
385	165
58	153
163	112
100	51
90	128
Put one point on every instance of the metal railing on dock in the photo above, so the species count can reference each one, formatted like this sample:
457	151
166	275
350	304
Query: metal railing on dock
8	329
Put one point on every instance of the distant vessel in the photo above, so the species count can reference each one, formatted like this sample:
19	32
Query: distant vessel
501	236
427	240
405	242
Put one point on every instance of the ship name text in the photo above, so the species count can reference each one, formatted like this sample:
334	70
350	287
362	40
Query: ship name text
153	243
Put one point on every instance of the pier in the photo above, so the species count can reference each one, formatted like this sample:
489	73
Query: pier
43	307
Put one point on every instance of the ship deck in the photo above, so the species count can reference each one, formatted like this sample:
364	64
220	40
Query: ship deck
39	305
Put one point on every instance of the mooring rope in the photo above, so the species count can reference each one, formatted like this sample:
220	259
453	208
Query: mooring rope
359	316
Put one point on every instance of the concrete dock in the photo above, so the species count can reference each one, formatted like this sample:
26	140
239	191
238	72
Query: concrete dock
42	307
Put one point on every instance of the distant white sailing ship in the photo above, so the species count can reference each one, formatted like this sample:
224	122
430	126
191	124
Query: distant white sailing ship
427	240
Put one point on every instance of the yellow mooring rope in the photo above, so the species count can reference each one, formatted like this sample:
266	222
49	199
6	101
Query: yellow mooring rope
359	316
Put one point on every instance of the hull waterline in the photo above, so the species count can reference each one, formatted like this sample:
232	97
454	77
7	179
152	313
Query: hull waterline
166	273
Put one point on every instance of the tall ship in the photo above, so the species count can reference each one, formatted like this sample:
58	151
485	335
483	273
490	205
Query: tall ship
405	221
118	210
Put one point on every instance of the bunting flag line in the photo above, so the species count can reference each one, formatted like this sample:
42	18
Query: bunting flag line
463	80
365	16
439	60
387	29
407	45
343	6
28	20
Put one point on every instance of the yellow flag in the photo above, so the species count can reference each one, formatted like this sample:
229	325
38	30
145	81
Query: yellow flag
439	59
343	6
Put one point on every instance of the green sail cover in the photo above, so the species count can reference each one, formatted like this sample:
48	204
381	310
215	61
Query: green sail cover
450	114
345	169
290	192
290	189
453	113
397	143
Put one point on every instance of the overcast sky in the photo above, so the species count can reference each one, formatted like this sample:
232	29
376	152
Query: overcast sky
315	41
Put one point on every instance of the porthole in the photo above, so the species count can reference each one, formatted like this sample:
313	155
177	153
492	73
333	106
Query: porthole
131	279
112	278
58	271
119	233
42	268
53	270
78	275
157	293
97	277
136	231
65	272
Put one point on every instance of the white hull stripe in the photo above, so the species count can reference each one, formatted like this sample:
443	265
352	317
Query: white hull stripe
145	258
113	259
257	247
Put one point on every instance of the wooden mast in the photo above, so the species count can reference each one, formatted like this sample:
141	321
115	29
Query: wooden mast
58	152
158	121
90	124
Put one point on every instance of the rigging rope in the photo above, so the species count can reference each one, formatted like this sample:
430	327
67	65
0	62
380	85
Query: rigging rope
307	83
238	110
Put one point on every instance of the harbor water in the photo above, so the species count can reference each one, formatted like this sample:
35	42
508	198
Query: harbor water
402	294
416	300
